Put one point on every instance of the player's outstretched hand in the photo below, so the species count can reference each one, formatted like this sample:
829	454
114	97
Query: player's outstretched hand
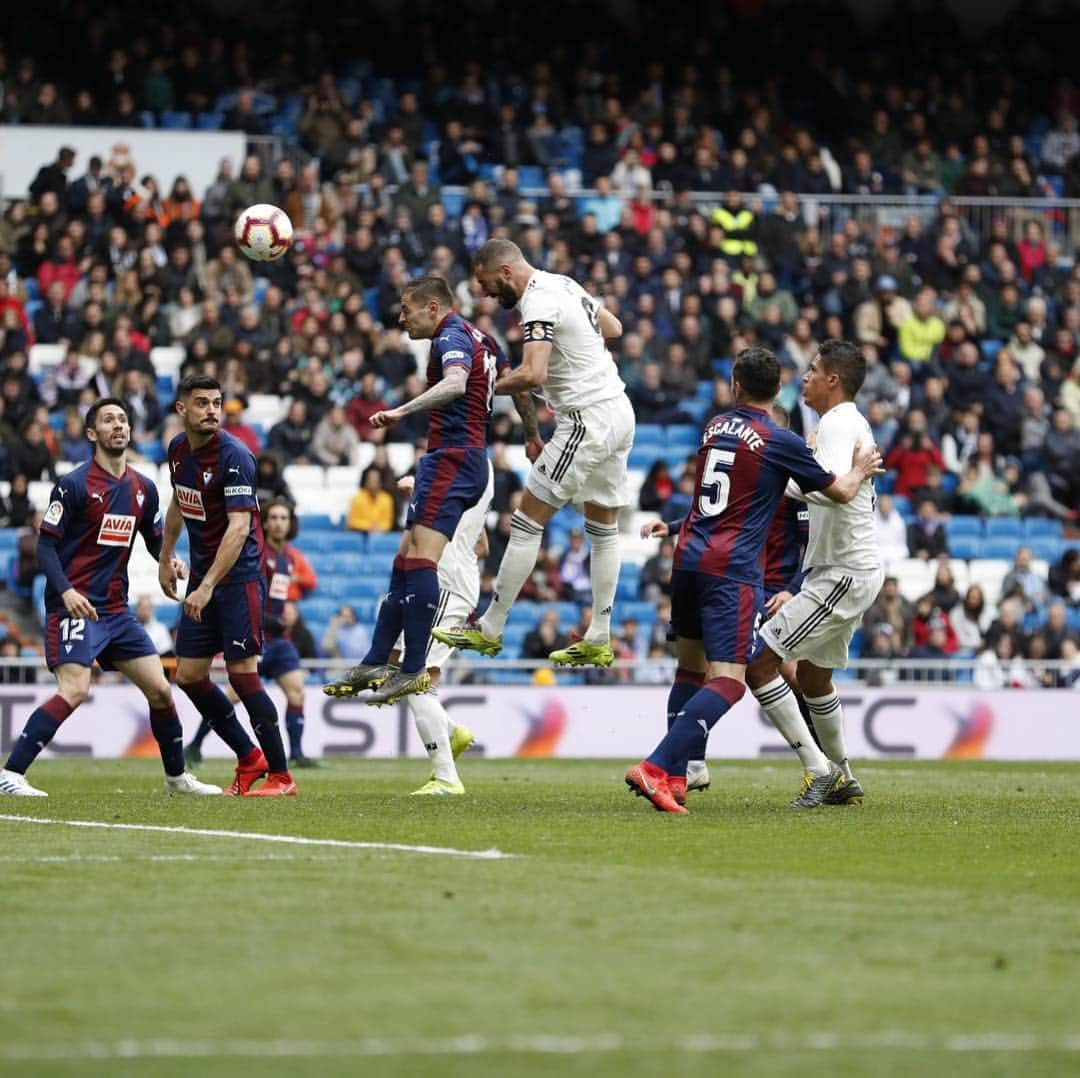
167	577
406	483
78	606
195	603
534	447
385	419
867	459
654	529
776	602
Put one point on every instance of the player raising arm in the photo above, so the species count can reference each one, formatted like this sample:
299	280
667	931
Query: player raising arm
84	545
213	479
744	464
564	329
843	576
451	478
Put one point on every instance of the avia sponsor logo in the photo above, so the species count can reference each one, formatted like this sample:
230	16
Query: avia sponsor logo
116	530
238	492
279	586
190	502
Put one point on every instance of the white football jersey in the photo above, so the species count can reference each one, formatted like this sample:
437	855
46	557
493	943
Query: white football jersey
580	369
842	536
459	568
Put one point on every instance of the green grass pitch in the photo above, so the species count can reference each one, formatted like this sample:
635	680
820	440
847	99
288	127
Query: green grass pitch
934	930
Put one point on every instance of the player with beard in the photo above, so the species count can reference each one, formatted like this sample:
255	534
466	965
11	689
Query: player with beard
564	355
84	545
213	479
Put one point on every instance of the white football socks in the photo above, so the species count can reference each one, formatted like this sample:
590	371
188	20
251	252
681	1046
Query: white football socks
433	726
604	574
828	717
778	702
518	562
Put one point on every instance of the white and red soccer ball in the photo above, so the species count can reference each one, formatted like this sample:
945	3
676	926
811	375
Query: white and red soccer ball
263	232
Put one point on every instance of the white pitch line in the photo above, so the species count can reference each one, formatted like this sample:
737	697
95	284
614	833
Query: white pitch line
255	836
543	1044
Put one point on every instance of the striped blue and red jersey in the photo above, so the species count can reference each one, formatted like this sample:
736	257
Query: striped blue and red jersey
744	463
208	484
462	424
784	546
278	569
92	520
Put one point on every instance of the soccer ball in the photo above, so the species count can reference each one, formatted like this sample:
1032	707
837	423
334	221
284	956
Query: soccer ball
263	232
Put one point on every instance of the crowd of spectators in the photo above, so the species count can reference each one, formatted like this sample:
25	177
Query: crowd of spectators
697	221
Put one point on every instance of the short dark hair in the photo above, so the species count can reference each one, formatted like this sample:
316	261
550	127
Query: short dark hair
190	382
494	252
430	287
757	370
845	359
294	520
91	416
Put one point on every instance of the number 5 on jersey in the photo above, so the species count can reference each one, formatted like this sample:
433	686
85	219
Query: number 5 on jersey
715	482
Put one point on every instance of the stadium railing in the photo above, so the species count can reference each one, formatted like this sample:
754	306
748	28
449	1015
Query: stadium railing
960	673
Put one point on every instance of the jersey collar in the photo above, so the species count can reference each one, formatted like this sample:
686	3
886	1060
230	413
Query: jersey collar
446	318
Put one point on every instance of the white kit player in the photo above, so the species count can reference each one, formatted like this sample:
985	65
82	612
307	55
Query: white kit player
459	592
564	355
843	571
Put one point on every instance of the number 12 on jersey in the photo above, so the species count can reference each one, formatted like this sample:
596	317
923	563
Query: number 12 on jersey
715	482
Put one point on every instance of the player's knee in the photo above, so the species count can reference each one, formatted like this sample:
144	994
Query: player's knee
245	684
159	695
295	697
74	695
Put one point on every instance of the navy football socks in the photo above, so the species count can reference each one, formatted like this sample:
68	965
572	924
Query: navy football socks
419	607
39	730
390	618
690	730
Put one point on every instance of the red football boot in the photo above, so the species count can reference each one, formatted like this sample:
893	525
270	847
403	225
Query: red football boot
648	780
677	786
248	770
277	784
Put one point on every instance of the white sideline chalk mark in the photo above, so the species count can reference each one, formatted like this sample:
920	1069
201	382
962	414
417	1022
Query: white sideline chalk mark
543	1044
231	859
255	836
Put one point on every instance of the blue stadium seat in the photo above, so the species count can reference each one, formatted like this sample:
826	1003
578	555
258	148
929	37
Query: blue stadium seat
318	608
1000	527
176	121
168	614
965	546
316	522
1047	547
146	118
683	438
371	301
645	457
33	291
531	176
639	609
1072	618
209	121
963	525
990	347
650	434
1000	546
1042	528
384	543
165	387
722	368
856	643
902	504
314	543
884	484
347	542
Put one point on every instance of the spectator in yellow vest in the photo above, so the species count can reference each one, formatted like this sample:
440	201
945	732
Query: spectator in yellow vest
739	225
922	331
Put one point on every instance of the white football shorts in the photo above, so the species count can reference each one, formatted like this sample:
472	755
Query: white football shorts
819	622
586	458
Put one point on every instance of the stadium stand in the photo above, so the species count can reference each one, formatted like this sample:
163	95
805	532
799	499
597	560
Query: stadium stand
706	219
